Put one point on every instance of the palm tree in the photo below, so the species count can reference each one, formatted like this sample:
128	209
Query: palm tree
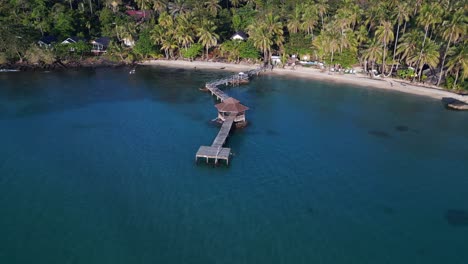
384	34
355	12
410	45
454	30
322	8
361	35
376	14
458	61
163	34
184	30
178	7
143	4
262	39
402	17
372	53
160	6
213	6
429	55
206	35
309	18
236	3
294	20
126	30
275	27
430	15
328	42
111	4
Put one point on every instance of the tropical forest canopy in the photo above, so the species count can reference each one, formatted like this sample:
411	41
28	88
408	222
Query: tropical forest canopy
411	39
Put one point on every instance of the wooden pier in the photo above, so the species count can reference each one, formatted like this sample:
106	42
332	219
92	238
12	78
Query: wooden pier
216	151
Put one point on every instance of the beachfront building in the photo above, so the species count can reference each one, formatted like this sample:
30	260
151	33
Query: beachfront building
231	106
47	41
239	35
100	45
72	40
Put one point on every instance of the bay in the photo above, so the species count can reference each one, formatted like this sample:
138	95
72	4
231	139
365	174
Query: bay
97	166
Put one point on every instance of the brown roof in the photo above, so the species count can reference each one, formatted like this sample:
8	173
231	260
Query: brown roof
231	105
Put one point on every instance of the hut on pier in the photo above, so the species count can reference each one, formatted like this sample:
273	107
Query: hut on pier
231	106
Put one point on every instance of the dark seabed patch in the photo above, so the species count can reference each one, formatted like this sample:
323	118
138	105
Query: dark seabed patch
379	134
311	211
271	132
421	251
89	125
401	128
388	210
457	217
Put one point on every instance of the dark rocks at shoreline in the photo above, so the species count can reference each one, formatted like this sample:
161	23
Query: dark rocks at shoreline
454	104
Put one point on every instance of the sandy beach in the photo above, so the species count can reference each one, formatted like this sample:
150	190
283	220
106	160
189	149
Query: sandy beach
311	73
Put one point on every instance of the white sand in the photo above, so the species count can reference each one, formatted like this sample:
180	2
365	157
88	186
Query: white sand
311	73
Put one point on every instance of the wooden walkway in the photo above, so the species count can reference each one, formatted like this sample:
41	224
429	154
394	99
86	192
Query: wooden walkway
220	95
216	150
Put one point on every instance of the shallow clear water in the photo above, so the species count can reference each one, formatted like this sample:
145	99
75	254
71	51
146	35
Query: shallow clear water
98	167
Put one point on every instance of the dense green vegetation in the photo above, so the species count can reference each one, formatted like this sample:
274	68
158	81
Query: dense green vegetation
415	39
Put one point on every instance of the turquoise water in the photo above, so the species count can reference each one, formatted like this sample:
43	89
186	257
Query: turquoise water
98	167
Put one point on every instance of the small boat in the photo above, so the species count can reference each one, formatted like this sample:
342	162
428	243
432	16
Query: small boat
9	70
132	71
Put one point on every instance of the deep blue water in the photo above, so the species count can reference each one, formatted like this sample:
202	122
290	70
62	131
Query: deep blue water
98	167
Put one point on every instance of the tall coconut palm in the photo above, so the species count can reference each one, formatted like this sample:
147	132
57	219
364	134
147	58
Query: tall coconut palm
372	53
178	7
410	45
328	41
309	18
160	6
384	34
236	3
294	20
402	16
429	55
375	14
322	9
361	35
184	30
213	6
458	61
262	39
454	28
143	4
430	15
207	36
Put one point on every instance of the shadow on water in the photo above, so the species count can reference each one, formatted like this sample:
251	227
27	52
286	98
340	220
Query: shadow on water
401	128
456	217
388	210
379	134
311	211
271	132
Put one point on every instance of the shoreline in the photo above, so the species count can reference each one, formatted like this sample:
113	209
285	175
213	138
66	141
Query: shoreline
61	65
358	79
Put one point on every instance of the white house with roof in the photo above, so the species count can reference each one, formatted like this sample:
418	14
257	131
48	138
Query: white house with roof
239	35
